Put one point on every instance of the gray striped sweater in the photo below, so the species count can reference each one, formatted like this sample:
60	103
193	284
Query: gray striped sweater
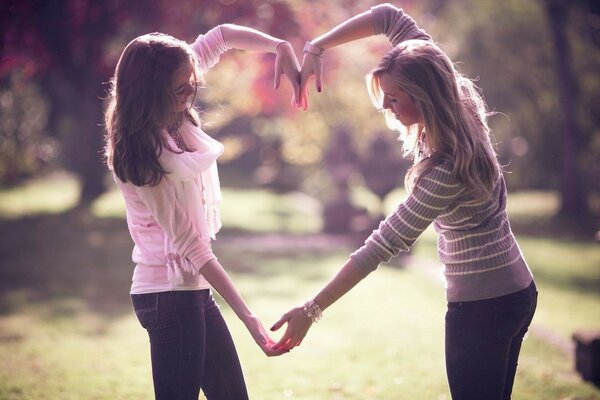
476	245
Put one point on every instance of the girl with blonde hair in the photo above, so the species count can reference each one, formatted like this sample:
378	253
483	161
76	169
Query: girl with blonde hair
455	183
165	167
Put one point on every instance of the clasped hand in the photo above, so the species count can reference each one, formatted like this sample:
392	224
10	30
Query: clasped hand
287	64
298	324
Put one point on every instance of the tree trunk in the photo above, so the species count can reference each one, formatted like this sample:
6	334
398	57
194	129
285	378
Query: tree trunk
87	141
573	199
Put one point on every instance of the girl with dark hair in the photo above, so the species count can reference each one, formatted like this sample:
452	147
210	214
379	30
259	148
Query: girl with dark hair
165	167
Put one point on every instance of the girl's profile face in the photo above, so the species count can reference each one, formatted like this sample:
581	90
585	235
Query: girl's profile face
398	101
183	87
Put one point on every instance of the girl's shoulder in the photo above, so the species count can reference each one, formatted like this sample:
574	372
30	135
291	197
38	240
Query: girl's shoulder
437	175
442	166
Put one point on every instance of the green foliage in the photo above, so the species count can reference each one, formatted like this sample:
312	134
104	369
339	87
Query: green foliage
507	46
24	145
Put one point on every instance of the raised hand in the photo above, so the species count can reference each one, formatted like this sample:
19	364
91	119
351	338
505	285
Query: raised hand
287	64
298	324
262	338
312	65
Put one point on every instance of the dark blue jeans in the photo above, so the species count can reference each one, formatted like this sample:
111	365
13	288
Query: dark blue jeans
483	341
191	347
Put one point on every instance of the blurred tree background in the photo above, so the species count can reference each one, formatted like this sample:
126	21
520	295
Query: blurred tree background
537	62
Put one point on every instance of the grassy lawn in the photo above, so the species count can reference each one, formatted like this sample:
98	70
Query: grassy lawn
67	330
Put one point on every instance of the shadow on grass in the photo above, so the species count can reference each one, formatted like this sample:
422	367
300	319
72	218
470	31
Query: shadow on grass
581	284
75	263
557	227
62	256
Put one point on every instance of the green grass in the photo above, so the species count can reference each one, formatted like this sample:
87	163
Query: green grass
67	330
384	340
53	194
568	279
249	210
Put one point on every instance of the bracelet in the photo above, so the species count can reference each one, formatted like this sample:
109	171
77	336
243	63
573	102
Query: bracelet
314	50
313	310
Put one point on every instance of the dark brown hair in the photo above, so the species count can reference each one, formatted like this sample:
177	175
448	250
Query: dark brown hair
141	103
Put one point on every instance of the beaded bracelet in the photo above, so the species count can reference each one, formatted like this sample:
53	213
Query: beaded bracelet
313	310
313	49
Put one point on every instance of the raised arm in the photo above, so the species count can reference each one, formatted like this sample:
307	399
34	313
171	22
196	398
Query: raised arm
286	63
357	27
384	19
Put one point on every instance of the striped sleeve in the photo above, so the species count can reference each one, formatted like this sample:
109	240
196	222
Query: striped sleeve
434	193
396	24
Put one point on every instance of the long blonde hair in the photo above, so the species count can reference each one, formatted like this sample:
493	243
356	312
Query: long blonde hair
140	105
453	112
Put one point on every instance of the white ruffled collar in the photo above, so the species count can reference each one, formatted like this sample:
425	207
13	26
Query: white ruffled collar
187	165
197	164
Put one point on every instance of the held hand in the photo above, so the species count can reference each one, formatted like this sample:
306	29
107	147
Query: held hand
298	324
311	65
262	338
287	64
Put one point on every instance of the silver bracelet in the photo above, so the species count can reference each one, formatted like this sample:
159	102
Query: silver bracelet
313	310
314	50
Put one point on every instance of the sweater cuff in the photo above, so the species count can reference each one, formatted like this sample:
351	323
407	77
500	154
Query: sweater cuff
177	269
396	24
366	260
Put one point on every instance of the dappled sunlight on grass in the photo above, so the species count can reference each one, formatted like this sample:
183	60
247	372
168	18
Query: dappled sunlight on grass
109	205
67	330
53	194
263	211
377	342
532	204
63	360
568	279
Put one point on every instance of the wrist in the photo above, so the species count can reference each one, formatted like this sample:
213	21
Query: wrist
314	49
248	318
312	310
278	45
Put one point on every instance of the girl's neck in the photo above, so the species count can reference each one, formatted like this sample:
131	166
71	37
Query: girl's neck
175	123
174	131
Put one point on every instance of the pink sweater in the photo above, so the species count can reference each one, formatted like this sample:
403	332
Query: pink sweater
172	223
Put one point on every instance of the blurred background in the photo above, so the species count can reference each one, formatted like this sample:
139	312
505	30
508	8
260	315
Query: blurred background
301	190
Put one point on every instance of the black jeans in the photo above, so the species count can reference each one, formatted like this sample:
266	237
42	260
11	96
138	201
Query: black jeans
191	347
483	341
